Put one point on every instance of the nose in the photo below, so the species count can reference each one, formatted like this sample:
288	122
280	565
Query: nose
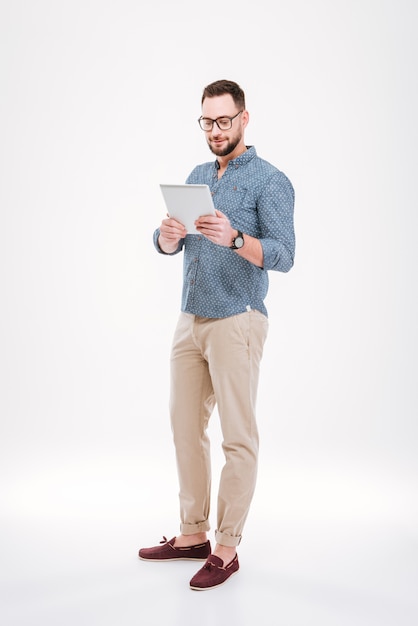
215	129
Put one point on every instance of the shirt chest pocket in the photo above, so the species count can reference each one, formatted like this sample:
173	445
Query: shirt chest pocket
239	204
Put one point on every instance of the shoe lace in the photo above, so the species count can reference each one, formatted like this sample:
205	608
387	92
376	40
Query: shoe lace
164	540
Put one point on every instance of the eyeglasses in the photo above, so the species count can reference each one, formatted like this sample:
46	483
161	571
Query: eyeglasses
223	123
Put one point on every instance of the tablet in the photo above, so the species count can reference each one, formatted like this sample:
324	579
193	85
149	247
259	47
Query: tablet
188	202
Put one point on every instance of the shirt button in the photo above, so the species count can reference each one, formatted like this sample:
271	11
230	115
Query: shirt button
234	188
192	282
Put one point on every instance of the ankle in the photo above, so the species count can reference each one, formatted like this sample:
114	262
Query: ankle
184	541
226	553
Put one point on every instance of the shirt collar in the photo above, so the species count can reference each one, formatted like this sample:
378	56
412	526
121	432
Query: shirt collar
242	159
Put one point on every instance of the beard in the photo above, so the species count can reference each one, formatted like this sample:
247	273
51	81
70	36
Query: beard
230	147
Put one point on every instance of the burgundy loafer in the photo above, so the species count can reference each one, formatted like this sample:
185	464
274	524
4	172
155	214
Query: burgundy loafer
213	573
167	552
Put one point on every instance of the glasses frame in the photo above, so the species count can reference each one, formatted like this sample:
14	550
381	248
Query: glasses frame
222	117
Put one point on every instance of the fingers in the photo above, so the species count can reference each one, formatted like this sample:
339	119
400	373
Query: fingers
217	228
211	220
172	229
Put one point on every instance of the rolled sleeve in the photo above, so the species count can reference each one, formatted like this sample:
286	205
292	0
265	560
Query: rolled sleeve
276	256
275	210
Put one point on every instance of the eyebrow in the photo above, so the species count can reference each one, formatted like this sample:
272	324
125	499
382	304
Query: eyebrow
216	118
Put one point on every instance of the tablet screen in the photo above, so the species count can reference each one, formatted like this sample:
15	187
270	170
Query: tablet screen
186	203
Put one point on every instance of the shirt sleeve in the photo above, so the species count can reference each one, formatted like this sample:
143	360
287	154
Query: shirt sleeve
275	210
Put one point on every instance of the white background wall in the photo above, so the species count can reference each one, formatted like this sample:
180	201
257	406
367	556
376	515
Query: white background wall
98	104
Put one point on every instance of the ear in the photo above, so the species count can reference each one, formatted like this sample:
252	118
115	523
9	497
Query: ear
245	118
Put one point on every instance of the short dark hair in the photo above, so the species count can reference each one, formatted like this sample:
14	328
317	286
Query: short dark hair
221	87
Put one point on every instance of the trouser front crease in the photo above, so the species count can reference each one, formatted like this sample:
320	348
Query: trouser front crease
216	360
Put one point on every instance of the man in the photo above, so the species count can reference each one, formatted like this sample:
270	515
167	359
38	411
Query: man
218	342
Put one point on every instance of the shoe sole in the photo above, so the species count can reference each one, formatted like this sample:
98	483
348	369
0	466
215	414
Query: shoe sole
214	586
176	558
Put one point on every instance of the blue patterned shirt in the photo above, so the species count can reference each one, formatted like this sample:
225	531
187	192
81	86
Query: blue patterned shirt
258	199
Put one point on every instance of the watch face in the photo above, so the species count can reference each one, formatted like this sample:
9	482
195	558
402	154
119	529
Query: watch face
239	242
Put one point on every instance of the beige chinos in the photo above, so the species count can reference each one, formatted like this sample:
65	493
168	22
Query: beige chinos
216	361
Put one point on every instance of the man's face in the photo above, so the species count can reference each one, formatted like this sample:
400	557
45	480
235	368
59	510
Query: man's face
222	142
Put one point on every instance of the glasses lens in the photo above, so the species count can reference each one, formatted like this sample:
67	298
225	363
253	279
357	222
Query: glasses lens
205	123
224	123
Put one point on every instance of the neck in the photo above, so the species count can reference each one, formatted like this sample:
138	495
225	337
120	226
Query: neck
223	161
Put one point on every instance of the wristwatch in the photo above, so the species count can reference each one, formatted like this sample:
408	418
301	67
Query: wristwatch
237	242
